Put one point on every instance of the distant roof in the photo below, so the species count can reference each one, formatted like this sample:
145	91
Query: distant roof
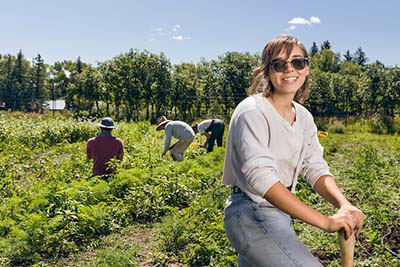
55	104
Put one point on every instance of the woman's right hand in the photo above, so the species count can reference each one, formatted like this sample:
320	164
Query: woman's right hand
342	219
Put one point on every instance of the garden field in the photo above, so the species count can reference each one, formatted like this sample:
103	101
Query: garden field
157	212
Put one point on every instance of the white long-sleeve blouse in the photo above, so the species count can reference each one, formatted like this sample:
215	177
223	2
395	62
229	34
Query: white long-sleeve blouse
263	148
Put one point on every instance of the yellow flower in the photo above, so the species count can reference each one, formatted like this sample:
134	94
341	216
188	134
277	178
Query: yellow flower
322	134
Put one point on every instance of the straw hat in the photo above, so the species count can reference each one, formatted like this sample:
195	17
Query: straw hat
161	121
107	123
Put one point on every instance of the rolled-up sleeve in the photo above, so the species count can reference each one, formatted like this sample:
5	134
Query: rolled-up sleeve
314	166
255	158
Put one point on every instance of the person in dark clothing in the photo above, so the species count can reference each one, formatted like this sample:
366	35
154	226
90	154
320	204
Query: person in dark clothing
213	129
104	147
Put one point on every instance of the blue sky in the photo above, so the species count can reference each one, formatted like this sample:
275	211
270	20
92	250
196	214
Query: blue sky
188	30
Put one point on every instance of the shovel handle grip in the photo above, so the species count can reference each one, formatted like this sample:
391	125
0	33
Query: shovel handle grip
346	249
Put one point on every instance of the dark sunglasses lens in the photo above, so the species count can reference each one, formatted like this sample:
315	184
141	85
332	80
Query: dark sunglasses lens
279	65
299	63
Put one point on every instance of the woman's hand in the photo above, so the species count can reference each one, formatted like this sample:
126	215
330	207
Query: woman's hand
357	214
348	215
345	219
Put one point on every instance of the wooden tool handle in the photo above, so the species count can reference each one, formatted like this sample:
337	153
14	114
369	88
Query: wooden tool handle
346	249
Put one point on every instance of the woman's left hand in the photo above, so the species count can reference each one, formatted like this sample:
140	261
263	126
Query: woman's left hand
358	216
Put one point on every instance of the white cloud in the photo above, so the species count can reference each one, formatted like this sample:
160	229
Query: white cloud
291	28
171	34
298	21
176	28
303	21
180	38
315	20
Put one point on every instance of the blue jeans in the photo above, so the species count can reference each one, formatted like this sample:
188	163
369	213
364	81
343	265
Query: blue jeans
263	236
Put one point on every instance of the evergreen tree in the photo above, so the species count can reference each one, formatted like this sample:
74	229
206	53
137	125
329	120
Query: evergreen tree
360	57
347	56
39	73
326	45
313	50
19	80
22	73
8	89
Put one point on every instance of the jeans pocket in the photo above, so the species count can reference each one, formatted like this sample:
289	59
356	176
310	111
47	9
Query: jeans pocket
234	230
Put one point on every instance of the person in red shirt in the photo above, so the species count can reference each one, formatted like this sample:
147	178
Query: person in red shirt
104	147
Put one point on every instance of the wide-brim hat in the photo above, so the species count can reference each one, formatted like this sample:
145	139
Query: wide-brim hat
107	123
161	121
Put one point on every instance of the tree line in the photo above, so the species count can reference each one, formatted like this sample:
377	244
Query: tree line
139	85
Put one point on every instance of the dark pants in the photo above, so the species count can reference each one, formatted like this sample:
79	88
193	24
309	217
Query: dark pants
217	133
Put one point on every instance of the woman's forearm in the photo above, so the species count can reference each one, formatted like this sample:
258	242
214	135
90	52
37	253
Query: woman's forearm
283	199
327	188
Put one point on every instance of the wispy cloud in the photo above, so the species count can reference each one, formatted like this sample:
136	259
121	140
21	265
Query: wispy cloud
173	34
180	38
302	21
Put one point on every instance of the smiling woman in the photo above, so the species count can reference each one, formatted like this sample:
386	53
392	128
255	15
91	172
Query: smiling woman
272	140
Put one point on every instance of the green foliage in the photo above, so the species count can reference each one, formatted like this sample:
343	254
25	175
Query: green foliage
366	167
185	236
326	60
117	257
139	85
51	208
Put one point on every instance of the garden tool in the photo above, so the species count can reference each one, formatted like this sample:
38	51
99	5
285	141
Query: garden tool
346	249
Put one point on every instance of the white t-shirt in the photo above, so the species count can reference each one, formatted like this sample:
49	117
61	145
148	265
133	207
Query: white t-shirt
203	126
263	148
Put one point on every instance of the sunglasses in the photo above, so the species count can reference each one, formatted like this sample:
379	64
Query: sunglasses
281	65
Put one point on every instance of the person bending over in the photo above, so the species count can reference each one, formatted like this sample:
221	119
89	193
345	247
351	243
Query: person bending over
179	130
213	130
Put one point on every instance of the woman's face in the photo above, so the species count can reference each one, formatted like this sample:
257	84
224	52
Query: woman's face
288	79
